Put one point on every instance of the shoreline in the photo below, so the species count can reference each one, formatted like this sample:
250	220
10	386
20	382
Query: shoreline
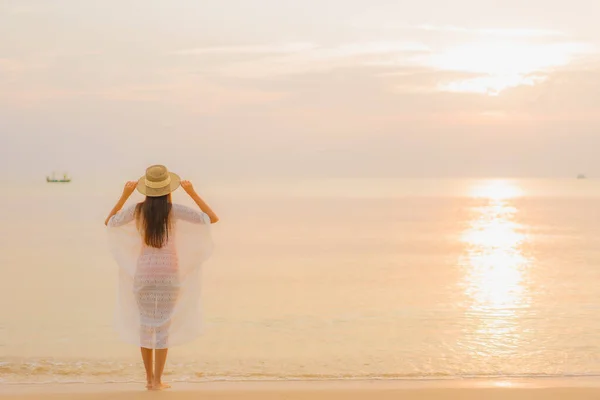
542	389
486	380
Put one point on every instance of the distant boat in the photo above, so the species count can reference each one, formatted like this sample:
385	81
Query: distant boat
581	176
53	179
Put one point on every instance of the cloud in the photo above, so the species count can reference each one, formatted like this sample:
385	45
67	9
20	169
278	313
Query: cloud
499	58
515	33
27	97
300	58
10	65
340	50
20	9
193	95
352	101
284	48
15	70
504	63
494	32
260	75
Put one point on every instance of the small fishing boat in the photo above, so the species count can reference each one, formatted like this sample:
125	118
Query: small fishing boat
581	176
53	179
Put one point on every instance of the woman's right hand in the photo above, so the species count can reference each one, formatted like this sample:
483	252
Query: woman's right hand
189	189
129	188
187	186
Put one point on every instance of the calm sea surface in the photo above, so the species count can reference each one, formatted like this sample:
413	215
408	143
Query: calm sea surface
393	279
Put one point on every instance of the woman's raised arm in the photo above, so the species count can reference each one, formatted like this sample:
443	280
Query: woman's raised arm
189	189
127	191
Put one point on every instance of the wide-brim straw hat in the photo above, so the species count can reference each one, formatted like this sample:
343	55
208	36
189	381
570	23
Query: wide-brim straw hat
158	181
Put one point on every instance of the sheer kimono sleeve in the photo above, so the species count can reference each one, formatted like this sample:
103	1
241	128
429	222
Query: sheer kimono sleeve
193	238
190	215
124	239
124	216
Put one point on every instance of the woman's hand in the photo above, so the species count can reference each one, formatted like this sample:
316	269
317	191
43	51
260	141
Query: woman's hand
187	186
127	191
189	189
129	188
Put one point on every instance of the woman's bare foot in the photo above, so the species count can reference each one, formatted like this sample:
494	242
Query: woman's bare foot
149	382
160	386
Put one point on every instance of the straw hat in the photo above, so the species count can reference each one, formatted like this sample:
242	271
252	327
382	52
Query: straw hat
158	181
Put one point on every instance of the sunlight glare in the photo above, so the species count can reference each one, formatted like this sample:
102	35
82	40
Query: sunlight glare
496	190
502	64
495	266
494	258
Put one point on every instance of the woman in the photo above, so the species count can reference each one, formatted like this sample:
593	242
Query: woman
159	247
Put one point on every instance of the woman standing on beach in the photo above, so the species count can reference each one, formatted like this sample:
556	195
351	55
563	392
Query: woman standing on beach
160	247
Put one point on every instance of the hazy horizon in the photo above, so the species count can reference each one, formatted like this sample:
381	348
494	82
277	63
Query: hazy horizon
277	89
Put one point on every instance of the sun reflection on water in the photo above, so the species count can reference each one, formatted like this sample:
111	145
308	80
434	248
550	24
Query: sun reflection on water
495	268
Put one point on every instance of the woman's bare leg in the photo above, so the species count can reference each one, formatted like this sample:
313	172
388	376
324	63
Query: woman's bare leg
147	357
159	366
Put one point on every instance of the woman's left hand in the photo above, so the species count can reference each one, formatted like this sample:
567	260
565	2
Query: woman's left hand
129	188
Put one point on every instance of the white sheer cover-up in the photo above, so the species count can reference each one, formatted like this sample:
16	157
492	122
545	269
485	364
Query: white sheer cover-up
158	302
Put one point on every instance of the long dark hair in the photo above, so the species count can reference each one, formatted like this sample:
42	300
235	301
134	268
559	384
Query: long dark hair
152	216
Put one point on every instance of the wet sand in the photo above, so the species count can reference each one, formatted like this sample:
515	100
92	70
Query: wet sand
364	390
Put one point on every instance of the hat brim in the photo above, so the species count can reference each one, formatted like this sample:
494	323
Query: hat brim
157	192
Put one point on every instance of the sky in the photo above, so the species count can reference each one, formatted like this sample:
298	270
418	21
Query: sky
238	89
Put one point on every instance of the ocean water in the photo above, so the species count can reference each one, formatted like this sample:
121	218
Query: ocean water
377	279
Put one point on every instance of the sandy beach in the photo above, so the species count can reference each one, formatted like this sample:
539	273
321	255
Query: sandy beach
300	199
381	390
